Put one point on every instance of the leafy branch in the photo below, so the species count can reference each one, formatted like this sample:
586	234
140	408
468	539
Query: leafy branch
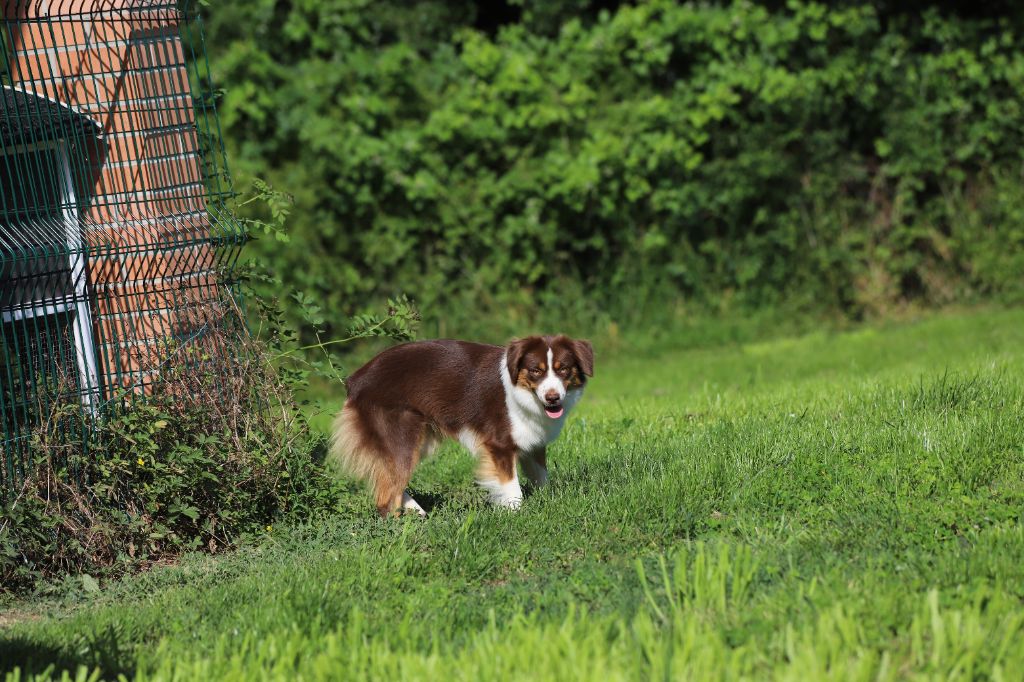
296	360
278	203
399	322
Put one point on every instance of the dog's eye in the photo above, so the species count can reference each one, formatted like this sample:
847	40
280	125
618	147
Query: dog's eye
534	372
563	371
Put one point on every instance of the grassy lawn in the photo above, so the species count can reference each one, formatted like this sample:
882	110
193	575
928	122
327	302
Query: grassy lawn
835	505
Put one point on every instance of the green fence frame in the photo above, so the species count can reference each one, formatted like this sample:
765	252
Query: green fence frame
116	248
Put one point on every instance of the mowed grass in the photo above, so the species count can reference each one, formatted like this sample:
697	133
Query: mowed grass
844	506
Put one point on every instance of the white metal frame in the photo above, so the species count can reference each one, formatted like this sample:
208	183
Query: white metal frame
85	349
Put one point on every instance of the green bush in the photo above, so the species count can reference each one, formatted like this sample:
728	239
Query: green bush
217	449
850	156
205	459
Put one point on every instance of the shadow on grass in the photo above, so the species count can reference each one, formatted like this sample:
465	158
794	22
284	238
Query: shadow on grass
431	501
457	500
103	650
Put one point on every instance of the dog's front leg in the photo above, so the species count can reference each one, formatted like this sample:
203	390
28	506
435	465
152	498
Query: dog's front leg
535	466
497	475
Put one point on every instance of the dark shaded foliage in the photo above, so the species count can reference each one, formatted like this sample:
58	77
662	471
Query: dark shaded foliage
849	156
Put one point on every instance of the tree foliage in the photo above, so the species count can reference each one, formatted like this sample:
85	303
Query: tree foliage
847	155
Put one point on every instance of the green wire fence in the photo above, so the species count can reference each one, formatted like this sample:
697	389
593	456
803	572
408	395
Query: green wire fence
116	249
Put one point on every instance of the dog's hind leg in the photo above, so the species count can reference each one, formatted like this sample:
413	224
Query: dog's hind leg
406	436
428	443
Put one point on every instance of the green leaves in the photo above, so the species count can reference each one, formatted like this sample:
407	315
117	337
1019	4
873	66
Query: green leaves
805	153
278	204
198	462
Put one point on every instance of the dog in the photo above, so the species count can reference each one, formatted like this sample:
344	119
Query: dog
504	404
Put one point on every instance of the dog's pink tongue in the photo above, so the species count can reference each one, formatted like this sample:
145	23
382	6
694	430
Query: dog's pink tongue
553	412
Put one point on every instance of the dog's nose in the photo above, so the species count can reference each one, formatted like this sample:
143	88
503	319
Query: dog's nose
551	396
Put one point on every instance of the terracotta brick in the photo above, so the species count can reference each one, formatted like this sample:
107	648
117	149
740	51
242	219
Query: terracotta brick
140	211
170	81
184	263
109	88
46	88
98	59
119	149
99	213
109	301
77	90
166	111
120	180
118	119
157	299
135	27
139	86
71	7
190	142
157	181
177	201
130	231
138	358
71	32
155	52
134	300
195	223
30	35
111	29
155	22
162	143
103	270
33	35
123	329
30	66
109	328
151	210
171	172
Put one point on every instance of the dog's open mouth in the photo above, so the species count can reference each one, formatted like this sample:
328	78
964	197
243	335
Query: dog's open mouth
553	411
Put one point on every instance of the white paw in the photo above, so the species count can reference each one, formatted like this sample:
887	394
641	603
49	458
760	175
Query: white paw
508	495
512	503
412	505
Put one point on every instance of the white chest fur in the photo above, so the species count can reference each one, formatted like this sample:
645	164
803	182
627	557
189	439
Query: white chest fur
531	427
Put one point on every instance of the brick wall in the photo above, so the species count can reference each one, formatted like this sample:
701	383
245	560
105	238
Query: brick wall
123	64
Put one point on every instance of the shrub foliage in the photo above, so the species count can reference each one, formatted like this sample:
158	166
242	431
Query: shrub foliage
843	155
208	457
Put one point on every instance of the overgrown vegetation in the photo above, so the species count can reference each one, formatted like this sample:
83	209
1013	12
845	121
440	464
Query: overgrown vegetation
215	452
217	449
589	160
831	506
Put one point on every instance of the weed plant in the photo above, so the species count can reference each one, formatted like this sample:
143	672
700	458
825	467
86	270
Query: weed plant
215	451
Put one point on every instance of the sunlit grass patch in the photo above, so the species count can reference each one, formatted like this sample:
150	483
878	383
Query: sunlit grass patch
842	506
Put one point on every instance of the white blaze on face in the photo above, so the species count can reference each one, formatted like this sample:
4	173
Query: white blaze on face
550	383
532	426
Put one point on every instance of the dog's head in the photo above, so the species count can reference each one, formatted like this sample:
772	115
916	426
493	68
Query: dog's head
550	367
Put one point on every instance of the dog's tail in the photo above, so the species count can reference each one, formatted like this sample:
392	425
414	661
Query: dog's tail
347	445
352	450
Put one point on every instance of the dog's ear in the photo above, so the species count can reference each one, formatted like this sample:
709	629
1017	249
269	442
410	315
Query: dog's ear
514	355
584	353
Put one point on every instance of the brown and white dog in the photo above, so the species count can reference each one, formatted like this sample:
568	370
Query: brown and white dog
504	404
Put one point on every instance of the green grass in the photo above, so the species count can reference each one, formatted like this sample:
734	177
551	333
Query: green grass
844	505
